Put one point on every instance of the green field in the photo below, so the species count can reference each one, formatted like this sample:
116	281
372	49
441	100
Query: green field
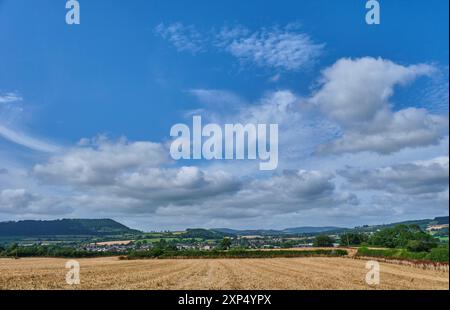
443	239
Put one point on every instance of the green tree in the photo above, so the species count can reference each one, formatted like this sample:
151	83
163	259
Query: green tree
13	250
420	246
225	244
351	238
161	244
400	235
323	241
288	244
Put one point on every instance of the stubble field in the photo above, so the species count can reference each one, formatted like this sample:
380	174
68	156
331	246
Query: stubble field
277	273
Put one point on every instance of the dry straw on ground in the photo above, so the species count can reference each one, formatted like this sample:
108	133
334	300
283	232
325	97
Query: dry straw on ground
278	273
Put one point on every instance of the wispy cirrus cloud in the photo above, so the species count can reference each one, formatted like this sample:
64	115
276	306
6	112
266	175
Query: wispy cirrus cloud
10	112
280	48
27	141
184	38
435	95
9	97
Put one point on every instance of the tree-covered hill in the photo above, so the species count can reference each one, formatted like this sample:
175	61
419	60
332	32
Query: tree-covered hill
204	234
90	227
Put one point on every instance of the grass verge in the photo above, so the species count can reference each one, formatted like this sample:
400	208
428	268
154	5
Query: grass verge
439	255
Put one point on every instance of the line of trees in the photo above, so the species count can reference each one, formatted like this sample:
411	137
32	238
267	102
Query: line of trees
17	251
234	253
409	237
324	241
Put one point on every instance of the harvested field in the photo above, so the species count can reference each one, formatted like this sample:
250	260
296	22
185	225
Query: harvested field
277	273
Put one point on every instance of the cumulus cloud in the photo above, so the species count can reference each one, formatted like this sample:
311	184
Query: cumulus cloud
293	191
99	161
175	186
225	106
137	179
133	170
133	177
22	202
299	190
356	93
416	178
301	129
392	132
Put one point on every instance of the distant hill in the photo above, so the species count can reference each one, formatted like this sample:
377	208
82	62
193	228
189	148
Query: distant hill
108	227
306	230
262	232
423	224
309	230
89	227
271	232
205	234
441	220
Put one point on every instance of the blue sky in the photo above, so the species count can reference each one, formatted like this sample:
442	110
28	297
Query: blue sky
134	69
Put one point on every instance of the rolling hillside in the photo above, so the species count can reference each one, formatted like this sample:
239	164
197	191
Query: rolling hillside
330	229
89	227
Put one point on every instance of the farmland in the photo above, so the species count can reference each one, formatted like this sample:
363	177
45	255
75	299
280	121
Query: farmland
270	273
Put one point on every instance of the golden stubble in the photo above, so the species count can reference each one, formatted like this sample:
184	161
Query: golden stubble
275	273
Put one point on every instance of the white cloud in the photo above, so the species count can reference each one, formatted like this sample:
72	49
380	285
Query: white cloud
27	141
435	95
285	49
416	178
296	190
134	171
134	174
176	186
137	181
184	38
100	160
291	192
21	202
392	132
10	112
9	97
301	130
216	98
281	48
356	93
